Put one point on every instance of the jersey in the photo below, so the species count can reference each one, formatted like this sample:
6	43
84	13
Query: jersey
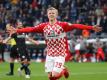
55	35
13	49
12	41
20	44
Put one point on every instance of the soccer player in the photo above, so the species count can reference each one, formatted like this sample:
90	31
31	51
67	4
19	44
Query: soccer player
23	53
56	41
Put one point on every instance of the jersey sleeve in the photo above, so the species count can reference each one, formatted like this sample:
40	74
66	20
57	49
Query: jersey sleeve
69	26
38	29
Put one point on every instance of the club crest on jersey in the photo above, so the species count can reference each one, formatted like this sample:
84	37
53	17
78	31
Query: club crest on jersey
52	34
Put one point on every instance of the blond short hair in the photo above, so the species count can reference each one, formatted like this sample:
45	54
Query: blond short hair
8	26
52	8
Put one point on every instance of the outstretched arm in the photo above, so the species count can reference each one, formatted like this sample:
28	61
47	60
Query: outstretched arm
69	26
32	40
27	30
38	29
81	26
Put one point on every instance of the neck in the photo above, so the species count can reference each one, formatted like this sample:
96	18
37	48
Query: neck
52	22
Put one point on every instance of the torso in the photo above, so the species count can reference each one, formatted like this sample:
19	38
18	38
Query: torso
55	39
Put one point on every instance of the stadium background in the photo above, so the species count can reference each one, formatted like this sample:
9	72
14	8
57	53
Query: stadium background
33	12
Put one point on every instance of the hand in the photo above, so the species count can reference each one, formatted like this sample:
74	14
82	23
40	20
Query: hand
96	28
11	32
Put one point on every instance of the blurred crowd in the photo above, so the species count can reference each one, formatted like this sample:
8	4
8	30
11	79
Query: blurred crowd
86	51
33	12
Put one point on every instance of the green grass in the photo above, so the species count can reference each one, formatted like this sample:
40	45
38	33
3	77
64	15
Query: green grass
78	71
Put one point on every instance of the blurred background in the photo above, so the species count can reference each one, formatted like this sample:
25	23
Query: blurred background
84	46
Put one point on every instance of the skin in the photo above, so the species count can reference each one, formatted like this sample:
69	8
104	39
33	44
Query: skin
52	15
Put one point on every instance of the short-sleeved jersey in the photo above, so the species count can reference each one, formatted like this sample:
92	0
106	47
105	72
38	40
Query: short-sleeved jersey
55	36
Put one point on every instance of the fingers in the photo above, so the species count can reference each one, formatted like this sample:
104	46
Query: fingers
97	28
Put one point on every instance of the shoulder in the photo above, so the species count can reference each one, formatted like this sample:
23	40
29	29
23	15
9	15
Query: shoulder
42	24
64	23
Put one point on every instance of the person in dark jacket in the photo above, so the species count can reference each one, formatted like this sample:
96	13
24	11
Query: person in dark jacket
2	48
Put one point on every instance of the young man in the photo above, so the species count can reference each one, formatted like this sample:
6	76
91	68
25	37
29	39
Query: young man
56	41
23	53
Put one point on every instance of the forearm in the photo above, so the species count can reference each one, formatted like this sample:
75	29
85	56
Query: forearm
81	26
6	40
33	41
25	30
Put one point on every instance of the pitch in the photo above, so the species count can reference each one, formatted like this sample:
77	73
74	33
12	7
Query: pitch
78	71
